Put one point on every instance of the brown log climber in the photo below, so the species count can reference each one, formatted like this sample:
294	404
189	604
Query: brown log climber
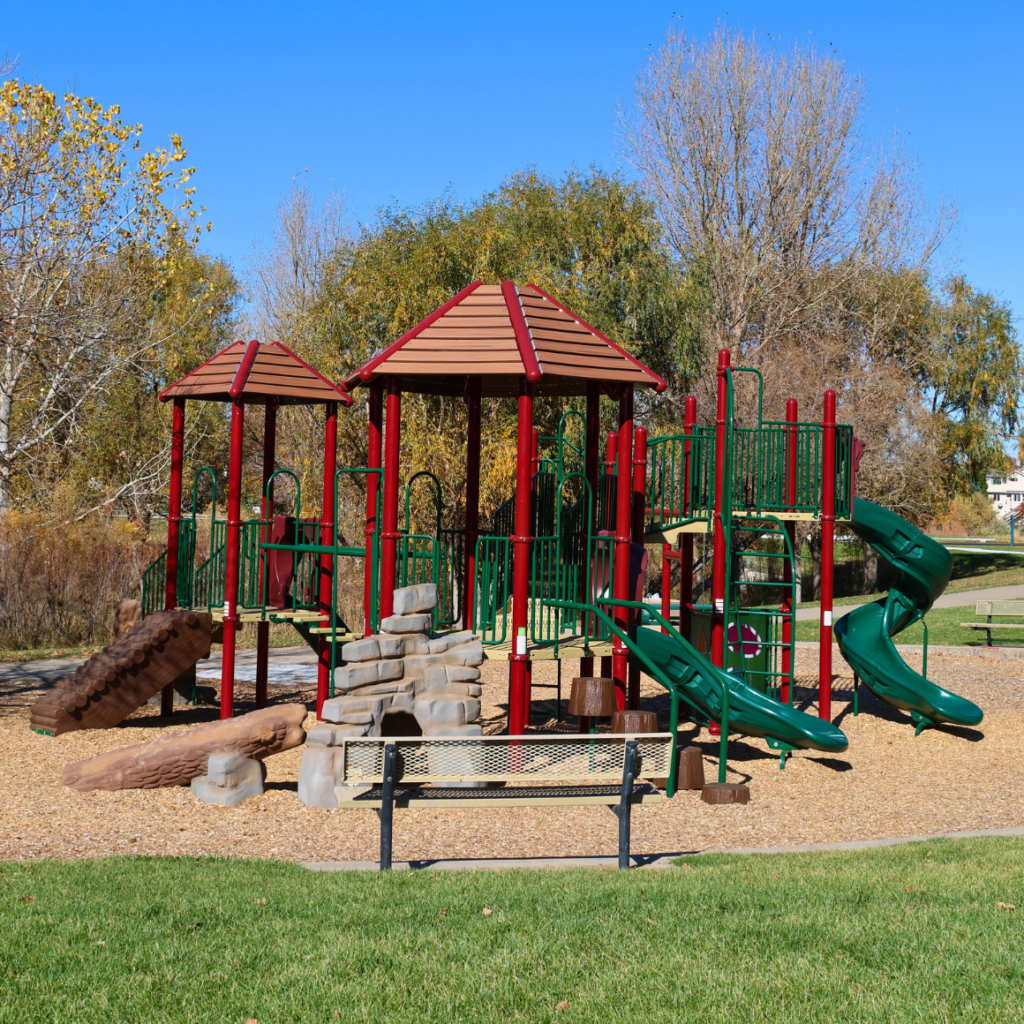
177	759
122	677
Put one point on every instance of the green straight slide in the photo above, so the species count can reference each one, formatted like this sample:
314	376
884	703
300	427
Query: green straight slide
865	634
750	711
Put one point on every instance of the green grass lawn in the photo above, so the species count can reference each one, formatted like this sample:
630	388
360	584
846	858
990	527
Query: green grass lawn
943	628
908	933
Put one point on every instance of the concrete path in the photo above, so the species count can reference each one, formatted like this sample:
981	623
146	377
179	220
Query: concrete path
662	860
962	600
286	665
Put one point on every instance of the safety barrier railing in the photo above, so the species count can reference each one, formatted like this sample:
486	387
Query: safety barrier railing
779	652
680	478
759	458
493	590
452	548
208	590
559	563
154	576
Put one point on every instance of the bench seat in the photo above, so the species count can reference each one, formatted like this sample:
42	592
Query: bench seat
416	798
532	770
990	608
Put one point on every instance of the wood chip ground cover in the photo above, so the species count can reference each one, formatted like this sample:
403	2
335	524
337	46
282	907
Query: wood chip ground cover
887	784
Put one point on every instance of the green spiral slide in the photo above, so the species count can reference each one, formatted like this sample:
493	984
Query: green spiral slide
865	634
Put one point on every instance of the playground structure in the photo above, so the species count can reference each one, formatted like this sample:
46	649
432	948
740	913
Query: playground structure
558	571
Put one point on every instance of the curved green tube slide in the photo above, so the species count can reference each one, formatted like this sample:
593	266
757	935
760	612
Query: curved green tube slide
750	711
865	634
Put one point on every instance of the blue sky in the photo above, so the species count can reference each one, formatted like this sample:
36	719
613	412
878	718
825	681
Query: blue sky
398	102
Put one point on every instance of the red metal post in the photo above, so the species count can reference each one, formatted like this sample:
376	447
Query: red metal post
607	555
719	568
263	628
390	534
623	539
375	417
591	459
473	389
668	556
326	589
828	525
227	676
787	570
173	529
686	539
517	707
637	532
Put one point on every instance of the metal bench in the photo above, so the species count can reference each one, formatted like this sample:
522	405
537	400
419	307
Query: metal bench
990	608
531	770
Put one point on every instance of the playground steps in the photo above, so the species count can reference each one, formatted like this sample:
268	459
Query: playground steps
122	677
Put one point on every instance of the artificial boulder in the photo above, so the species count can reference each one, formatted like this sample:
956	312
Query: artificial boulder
177	759
230	778
400	676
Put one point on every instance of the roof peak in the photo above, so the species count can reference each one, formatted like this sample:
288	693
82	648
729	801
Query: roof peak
502	333
257	372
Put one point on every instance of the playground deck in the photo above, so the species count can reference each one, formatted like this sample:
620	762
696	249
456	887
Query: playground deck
887	784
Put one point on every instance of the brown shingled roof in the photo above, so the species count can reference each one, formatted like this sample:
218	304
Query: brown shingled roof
501	332
256	372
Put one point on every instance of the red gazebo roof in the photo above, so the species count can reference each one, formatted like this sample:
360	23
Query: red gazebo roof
257	373
501	333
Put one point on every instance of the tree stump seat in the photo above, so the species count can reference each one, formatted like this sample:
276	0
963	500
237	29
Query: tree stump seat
592	697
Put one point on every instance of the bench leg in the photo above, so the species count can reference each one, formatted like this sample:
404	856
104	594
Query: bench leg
626	802
387	806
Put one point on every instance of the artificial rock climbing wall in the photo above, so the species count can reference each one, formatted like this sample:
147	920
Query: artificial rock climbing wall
397	682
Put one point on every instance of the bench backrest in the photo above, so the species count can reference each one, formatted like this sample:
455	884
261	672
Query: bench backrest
1000	608
550	758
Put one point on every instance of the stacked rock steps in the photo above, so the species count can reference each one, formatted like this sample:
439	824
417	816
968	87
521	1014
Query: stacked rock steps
401	671
119	679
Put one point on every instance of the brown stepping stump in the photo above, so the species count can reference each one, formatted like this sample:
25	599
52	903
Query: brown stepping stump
691	769
591	697
725	793
631	722
119	679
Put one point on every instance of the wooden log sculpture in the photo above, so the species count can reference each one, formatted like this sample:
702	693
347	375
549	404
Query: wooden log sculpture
177	759
122	677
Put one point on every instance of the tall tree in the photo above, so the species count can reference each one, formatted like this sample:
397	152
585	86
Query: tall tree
85	241
976	383
590	238
815	242
757	161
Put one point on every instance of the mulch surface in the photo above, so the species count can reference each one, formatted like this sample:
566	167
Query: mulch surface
887	784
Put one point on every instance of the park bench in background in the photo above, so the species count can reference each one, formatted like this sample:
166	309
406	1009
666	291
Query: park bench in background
990	608
541	770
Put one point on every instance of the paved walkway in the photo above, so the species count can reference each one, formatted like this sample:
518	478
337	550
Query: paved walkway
291	663
662	860
297	664
962	600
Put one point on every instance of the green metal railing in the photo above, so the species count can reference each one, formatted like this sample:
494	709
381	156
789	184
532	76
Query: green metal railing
680	485
493	590
772	675
560	563
154	576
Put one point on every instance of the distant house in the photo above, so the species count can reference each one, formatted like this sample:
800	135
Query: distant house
1005	492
